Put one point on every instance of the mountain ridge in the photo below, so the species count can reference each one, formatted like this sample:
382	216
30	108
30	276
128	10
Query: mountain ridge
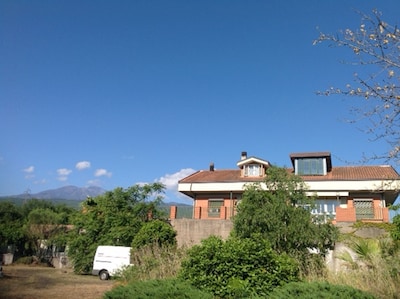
67	192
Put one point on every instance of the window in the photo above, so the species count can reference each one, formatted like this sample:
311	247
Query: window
214	207
326	206
252	170
310	166
364	208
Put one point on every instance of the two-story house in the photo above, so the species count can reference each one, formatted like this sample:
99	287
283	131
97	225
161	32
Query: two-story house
343	194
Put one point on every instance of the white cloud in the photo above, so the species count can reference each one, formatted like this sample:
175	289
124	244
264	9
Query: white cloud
29	172
102	172
29	169
82	165
63	174
171	180
64	171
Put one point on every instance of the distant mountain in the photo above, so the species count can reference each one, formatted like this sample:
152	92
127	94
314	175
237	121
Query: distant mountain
67	192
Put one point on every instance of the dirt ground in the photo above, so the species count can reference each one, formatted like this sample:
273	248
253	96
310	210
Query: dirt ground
38	282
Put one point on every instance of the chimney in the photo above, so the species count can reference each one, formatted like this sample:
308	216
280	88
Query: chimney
244	156
211	166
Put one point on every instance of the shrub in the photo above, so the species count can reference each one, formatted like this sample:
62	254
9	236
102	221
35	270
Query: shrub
237	267
27	260
154	232
317	290
157	289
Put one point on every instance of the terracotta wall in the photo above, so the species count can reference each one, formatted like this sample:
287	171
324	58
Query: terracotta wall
201	209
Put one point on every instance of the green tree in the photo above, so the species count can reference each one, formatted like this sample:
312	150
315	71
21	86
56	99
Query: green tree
113	218
11	222
42	228
279	210
376	49
237	268
156	232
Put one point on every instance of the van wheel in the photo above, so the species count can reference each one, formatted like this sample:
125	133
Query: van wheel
103	275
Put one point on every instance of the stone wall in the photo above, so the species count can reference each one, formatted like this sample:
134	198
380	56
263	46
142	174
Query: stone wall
192	231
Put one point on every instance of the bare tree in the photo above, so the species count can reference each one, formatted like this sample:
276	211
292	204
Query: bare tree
376	48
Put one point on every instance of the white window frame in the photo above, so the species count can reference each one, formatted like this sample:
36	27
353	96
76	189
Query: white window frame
252	170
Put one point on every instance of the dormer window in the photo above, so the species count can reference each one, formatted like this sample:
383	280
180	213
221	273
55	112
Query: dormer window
252	166
318	163
252	170
311	166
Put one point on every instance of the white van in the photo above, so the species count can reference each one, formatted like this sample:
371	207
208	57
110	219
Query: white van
109	259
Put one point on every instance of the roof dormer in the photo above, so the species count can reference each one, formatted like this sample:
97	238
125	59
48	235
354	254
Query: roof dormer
252	166
315	163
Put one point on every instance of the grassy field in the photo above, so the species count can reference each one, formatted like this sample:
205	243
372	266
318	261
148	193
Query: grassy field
37	282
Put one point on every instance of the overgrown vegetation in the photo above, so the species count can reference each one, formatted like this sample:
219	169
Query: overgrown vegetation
155	232
158	289
154	262
237	267
281	215
373	266
34	229
114	218
317	290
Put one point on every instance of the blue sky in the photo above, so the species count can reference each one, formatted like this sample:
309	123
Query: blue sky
114	93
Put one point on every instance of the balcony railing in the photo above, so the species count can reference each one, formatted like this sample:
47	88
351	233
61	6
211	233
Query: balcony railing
324	213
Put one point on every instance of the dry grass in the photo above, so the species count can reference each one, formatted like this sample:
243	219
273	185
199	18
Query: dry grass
37	282
154	262
379	280
378	276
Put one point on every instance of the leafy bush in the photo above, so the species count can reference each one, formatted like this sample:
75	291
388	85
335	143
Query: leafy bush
113	218
237	267
154	232
157	289
317	290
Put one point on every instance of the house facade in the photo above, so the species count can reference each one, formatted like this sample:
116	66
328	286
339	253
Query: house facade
343	194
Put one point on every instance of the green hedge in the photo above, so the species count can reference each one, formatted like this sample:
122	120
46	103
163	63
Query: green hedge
317	290
157	289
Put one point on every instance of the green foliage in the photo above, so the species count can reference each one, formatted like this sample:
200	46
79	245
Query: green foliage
237	267
113	218
11	222
317	290
157	289
23	227
281	214
395	232
154	262
42	227
154	232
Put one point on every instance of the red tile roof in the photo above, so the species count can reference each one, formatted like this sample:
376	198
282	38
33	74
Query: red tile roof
345	173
